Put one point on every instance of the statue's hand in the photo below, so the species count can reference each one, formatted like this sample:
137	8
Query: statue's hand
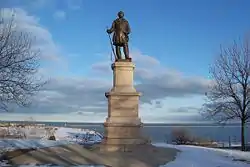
109	31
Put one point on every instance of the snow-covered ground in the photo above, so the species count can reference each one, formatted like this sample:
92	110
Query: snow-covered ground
50	165
80	136
194	156
232	144
36	137
14	144
31	132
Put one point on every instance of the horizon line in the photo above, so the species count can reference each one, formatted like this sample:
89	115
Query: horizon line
207	122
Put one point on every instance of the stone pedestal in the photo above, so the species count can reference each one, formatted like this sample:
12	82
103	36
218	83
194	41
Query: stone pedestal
122	126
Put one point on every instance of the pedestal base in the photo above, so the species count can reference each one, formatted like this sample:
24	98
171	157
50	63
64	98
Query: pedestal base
122	136
121	147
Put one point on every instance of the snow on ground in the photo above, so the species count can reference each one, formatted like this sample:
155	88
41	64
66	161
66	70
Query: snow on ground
194	156
14	144
47	165
232	144
63	136
80	136
36	138
33	132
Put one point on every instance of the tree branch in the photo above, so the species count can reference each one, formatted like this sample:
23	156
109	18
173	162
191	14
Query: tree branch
19	63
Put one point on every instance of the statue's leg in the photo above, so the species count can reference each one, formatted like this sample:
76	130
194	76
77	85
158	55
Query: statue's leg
118	52
126	51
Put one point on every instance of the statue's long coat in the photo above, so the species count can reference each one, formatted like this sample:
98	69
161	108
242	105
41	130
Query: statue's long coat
121	29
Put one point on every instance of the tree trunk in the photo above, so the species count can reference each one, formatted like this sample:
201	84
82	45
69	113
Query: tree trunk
243	135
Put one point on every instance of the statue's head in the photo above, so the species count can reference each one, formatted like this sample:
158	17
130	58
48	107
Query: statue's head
120	14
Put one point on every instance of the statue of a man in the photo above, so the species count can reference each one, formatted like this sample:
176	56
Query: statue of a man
121	29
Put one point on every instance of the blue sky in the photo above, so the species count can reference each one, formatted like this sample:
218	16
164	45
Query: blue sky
172	43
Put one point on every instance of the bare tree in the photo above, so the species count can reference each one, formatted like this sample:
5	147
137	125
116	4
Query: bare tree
229	96
19	62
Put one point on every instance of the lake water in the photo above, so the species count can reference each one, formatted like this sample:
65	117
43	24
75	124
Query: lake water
162	132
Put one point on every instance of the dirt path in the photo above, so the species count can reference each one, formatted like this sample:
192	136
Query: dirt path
143	156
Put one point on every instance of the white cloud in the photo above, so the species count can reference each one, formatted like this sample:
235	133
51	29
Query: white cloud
74	4
174	110
102	67
144	60
30	24
59	15
50	51
167	95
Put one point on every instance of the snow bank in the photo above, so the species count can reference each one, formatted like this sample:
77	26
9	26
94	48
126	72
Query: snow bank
235	154
63	136
34	132
37	139
226	144
13	144
80	136
195	156
5	164
50	165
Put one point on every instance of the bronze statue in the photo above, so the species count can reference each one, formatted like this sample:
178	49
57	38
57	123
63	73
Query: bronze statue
120	29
